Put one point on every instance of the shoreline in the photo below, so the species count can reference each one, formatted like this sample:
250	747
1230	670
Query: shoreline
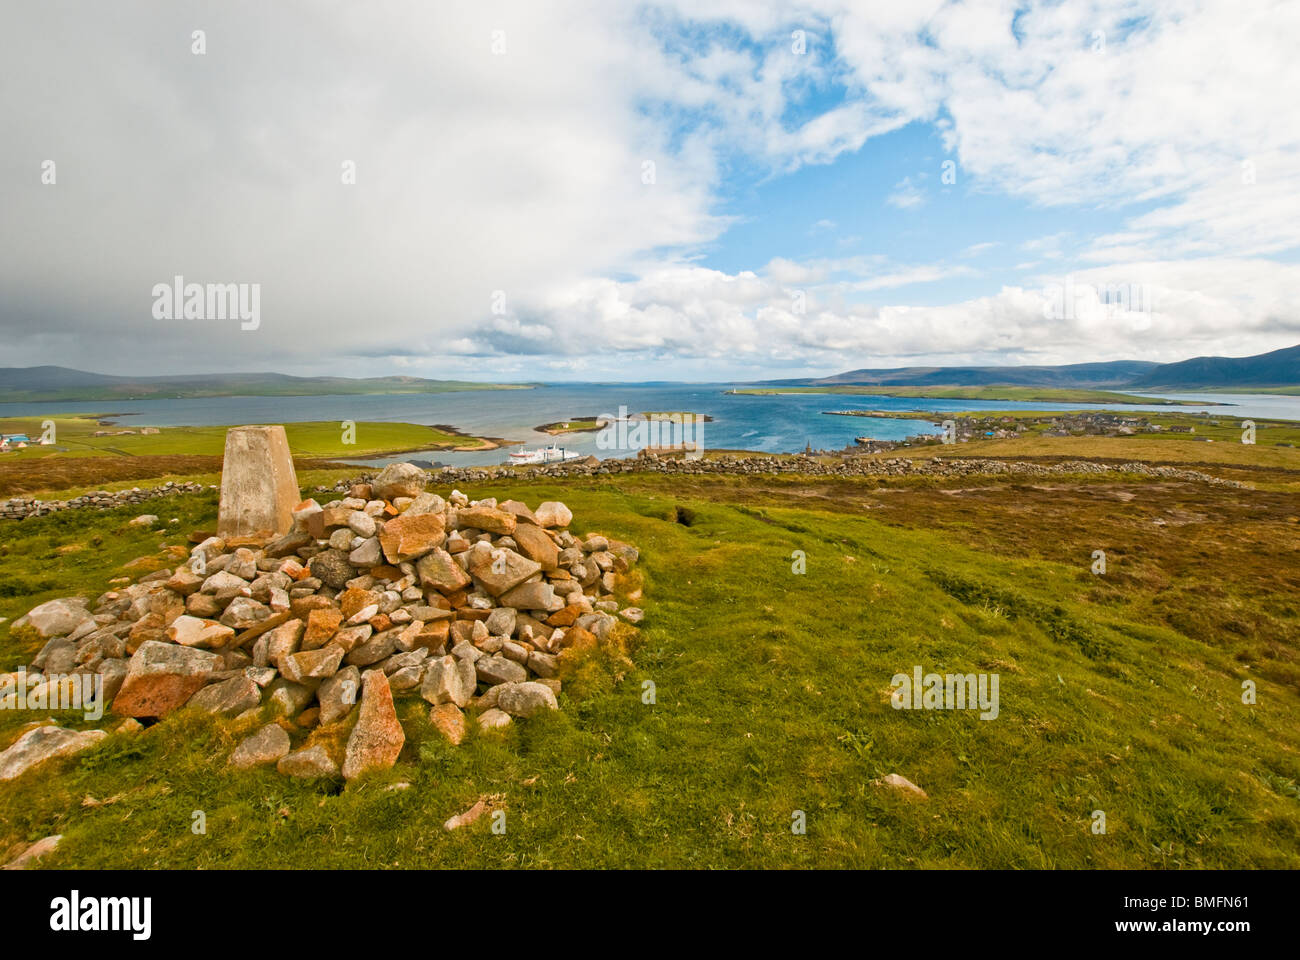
487	443
938	416
443	438
976	394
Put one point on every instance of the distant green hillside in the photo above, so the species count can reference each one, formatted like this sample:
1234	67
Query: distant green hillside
28	384
1277	369
1024	394
1279	391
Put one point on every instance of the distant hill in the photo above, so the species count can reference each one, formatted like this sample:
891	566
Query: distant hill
1277	371
1085	375
18	384
1280	368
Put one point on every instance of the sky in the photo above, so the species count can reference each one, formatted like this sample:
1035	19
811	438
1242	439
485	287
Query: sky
708	190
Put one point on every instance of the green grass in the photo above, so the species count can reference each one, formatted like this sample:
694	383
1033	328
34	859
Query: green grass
1277	442
772	693
307	479
307	439
1222	427
1023	394
576	425
1292	390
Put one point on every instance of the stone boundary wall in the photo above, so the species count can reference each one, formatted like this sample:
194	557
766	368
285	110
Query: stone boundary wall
22	507
901	467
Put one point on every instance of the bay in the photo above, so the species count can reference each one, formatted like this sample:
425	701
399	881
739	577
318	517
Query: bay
781	423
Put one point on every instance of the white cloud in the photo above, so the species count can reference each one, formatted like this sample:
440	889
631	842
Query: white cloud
906	277
1048	246
525	173
1169	111
475	173
906	195
1178	309
692	312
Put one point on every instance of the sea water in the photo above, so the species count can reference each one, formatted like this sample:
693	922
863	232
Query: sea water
782	423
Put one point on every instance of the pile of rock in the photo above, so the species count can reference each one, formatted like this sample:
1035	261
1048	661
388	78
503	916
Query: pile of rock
20	508
390	591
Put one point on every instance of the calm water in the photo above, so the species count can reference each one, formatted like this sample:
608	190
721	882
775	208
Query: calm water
772	424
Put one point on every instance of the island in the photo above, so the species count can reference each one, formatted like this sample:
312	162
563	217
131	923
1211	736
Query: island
575	425
593	424
675	416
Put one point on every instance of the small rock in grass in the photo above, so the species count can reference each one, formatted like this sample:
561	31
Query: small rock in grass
33	853
466	818
44	743
903	785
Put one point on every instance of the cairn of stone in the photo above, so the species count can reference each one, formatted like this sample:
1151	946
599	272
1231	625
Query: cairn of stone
389	592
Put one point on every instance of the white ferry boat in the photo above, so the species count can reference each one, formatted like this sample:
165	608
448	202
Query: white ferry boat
551	454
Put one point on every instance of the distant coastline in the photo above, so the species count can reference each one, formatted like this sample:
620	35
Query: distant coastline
1013	393
64	385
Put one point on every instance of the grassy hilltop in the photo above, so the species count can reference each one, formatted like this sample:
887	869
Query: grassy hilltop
1119	693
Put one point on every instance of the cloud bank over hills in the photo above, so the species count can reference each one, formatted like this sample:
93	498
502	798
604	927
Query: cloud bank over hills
564	191
1278	368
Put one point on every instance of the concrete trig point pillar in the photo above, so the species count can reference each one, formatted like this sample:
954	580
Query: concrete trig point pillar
258	485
